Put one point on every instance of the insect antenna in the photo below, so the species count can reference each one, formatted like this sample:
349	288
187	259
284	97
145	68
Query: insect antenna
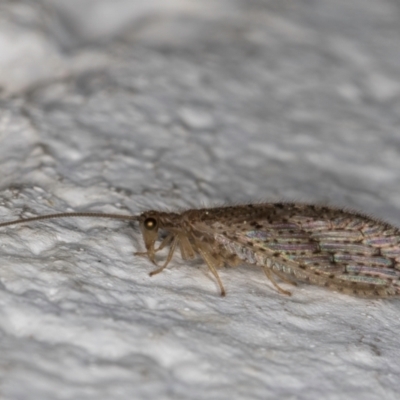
71	215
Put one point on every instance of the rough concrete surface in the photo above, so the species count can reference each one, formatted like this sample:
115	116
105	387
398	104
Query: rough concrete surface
123	106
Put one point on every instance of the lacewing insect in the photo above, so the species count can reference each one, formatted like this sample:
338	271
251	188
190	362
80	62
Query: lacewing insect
342	250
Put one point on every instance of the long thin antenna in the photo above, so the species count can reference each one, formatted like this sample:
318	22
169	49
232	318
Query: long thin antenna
69	215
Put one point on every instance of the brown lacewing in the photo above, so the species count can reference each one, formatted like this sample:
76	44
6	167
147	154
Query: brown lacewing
341	250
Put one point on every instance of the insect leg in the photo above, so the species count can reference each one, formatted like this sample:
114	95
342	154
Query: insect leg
230	259
284	278
186	248
140	253
165	242
208	258
270	276
170	254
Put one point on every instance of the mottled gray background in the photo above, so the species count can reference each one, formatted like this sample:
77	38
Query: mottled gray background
123	106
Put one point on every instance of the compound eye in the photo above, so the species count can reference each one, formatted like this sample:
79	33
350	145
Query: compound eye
150	223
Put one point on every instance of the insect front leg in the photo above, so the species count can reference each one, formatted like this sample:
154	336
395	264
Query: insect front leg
166	241
169	257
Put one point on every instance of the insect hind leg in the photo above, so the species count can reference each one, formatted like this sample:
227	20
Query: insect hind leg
270	276
284	278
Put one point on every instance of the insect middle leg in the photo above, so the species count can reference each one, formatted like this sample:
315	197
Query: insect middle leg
212	264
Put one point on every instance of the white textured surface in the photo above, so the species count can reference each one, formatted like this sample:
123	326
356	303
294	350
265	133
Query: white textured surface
124	109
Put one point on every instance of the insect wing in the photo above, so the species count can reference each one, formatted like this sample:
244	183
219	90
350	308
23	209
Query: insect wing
337	249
